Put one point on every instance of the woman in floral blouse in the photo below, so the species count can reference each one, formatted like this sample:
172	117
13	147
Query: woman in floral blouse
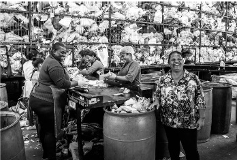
180	99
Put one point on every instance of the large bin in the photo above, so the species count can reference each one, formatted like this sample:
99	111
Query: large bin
12	144
221	107
129	136
3	92
203	135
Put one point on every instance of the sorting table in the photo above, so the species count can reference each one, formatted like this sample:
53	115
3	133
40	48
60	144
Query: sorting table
96	97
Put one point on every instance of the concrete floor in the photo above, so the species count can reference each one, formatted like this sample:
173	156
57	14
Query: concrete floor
219	147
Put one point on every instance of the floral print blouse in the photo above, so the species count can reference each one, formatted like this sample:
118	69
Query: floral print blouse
179	103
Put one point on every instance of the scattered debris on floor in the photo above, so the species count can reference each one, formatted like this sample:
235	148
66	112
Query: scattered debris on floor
225	136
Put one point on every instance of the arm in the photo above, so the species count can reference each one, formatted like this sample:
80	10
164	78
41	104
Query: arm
157	95
132	72
57	74
73	83
95	66
130	76
121	78
200	103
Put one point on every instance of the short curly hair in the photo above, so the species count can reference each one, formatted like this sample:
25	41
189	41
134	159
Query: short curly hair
56	46
88	52
173	52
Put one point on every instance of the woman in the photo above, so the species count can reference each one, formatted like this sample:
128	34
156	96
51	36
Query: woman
37	63
93	69
48	96
28	69
180	99
96	67
130	73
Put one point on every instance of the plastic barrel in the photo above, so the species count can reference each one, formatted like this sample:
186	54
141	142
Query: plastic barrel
129	136
221	107
3	106
12	144
203	135
3	92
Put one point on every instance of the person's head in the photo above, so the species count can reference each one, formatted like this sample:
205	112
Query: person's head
40	55
88	55
176	61
37	63
127	53
31	53
59	50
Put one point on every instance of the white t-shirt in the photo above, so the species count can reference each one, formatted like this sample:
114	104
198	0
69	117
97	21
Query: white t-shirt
28	69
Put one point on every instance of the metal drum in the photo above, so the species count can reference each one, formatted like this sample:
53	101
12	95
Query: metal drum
221	107
203	135
129	136
3	92
12	144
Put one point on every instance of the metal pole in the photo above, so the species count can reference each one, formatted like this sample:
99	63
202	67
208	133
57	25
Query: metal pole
79	136
226	28
109	35
200	36
30	27
162	20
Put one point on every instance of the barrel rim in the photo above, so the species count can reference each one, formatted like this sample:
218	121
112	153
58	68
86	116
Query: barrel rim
206	89
11	114
128	114
227	84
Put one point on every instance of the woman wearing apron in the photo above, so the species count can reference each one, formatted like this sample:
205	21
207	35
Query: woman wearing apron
48	98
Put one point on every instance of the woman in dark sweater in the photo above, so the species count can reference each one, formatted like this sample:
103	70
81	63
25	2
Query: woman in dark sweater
42	100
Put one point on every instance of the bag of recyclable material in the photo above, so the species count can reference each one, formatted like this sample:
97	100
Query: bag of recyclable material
65	22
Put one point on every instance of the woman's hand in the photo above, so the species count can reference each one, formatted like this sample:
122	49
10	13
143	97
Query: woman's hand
105	75
154	104
200	123
112	76
82	82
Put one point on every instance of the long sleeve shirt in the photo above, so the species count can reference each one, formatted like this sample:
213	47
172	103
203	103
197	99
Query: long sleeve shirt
52	73
97	66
